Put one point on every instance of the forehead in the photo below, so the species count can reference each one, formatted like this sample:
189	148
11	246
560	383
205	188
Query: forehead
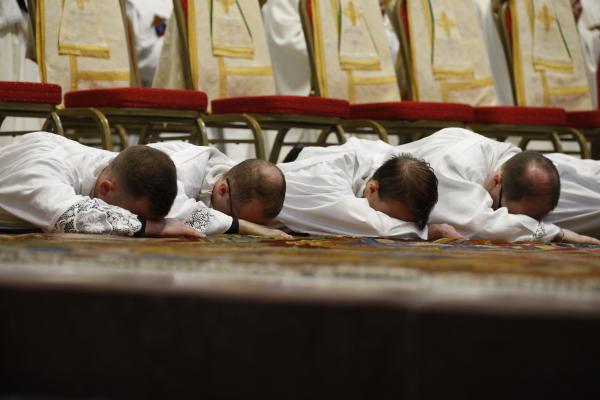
252	212
398	209
530	207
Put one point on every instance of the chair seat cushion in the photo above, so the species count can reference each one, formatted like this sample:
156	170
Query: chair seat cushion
412	111
138	97
584	119
520	115
298	105
30	92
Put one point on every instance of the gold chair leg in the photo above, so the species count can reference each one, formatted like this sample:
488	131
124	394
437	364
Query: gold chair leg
523	143
340	134
200	132
374	126
95	115
277	144
53	120
584	147
556	144
259	141
122	133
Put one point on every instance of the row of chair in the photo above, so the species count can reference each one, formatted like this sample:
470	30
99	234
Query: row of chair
184	106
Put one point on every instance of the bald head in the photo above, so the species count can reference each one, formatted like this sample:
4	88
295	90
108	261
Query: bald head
531	184
258	182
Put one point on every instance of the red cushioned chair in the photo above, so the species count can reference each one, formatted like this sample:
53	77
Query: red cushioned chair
30	100
104	105
407	119
531	123
258	112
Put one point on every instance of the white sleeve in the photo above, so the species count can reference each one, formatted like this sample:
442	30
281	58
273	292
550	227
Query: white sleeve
199	216
469	210
95	216
345	215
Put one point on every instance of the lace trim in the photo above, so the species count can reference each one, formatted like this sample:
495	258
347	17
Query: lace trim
200	218
540	231
95	216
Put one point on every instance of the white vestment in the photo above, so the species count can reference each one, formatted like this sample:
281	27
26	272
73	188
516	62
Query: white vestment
589	33
48	181
198	169
463	161
14	65
324	196
496	54
578	208
142	14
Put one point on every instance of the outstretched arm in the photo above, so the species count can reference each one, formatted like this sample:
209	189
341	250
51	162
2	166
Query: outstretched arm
249	228
170	227
568	236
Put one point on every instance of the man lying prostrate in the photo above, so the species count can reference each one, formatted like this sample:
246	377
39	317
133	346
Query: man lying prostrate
59	185
578	208
487	189
217	196
346	193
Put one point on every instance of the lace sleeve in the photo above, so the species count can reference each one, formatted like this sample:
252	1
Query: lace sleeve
207	220
95	216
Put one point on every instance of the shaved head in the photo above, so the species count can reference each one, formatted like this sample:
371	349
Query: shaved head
260	182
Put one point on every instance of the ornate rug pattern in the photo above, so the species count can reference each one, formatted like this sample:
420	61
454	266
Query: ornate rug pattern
351	263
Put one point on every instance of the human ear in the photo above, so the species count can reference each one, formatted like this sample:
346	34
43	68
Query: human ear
105	186
222	188
373	186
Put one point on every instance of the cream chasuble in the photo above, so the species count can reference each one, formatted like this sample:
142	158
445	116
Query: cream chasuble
351	52
80	34
548	63
73	72
448	54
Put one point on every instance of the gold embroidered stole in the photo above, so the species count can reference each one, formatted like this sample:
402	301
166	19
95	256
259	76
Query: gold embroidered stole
551	77
550	51
230	34
81	71
334	79
448	55
80	34
357	50
238	68
449	58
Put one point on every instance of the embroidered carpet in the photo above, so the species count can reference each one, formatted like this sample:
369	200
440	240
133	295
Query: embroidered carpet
234	317
356	264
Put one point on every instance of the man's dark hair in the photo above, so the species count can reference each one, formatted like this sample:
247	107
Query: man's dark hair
520	181
258	179
147	173
406	178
